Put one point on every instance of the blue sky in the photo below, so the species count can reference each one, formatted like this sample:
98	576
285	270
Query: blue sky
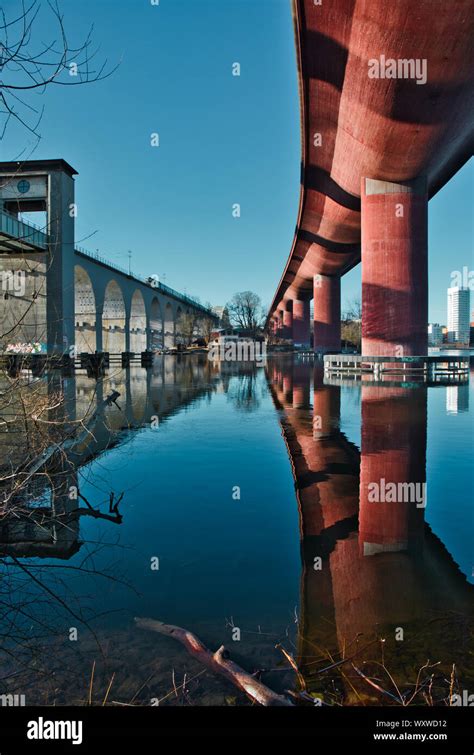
223	140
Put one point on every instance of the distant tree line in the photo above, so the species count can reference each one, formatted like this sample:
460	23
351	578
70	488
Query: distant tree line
351	323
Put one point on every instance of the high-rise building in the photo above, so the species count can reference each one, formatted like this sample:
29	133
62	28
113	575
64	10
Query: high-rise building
435	334
458	315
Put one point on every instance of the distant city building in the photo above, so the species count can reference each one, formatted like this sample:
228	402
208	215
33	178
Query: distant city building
458	315
457	398
435	334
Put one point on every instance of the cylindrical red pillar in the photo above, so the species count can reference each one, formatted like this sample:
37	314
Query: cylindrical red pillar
394	224
327	313
301	322
287	323
280	323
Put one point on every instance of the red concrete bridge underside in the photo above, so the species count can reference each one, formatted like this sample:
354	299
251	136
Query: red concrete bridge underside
374	151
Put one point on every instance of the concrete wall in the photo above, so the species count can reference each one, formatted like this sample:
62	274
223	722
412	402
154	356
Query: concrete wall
23	298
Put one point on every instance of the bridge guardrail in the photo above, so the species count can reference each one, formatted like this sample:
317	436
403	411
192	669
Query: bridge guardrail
158	287
18	229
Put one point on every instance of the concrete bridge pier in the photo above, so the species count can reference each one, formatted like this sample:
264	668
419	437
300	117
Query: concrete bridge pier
98	332
58	191
394	234
280	323
327	313
301	324
127	327
288	319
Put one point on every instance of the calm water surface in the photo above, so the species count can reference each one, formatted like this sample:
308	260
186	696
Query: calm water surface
247	486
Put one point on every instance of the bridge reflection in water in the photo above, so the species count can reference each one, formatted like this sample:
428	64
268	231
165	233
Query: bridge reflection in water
377	585
84	424
369	570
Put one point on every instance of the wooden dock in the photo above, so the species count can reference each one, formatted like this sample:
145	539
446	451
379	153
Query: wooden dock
433	369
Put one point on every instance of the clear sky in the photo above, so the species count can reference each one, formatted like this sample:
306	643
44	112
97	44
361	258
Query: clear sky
223	140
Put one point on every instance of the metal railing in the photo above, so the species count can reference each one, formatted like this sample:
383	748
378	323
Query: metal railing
27	232
162	287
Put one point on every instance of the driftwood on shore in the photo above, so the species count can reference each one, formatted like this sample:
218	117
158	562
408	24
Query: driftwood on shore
219	662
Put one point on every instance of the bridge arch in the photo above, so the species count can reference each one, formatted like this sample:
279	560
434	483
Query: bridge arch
113	319
138	339
156	324
85	312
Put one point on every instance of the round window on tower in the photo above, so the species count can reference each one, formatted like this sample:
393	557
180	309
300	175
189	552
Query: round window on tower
23	186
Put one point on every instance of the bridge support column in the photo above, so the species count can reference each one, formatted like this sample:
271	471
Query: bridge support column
327	313
60	274
301	323
99	343
394	267
287	321
127	331
149	338
280	323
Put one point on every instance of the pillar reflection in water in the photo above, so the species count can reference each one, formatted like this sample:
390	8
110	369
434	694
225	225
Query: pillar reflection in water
325	466
371	567
378	577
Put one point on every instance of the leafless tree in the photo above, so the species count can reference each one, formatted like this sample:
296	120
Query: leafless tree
29	67
353	309
206	324
38	476
246	311
225	319
187	327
